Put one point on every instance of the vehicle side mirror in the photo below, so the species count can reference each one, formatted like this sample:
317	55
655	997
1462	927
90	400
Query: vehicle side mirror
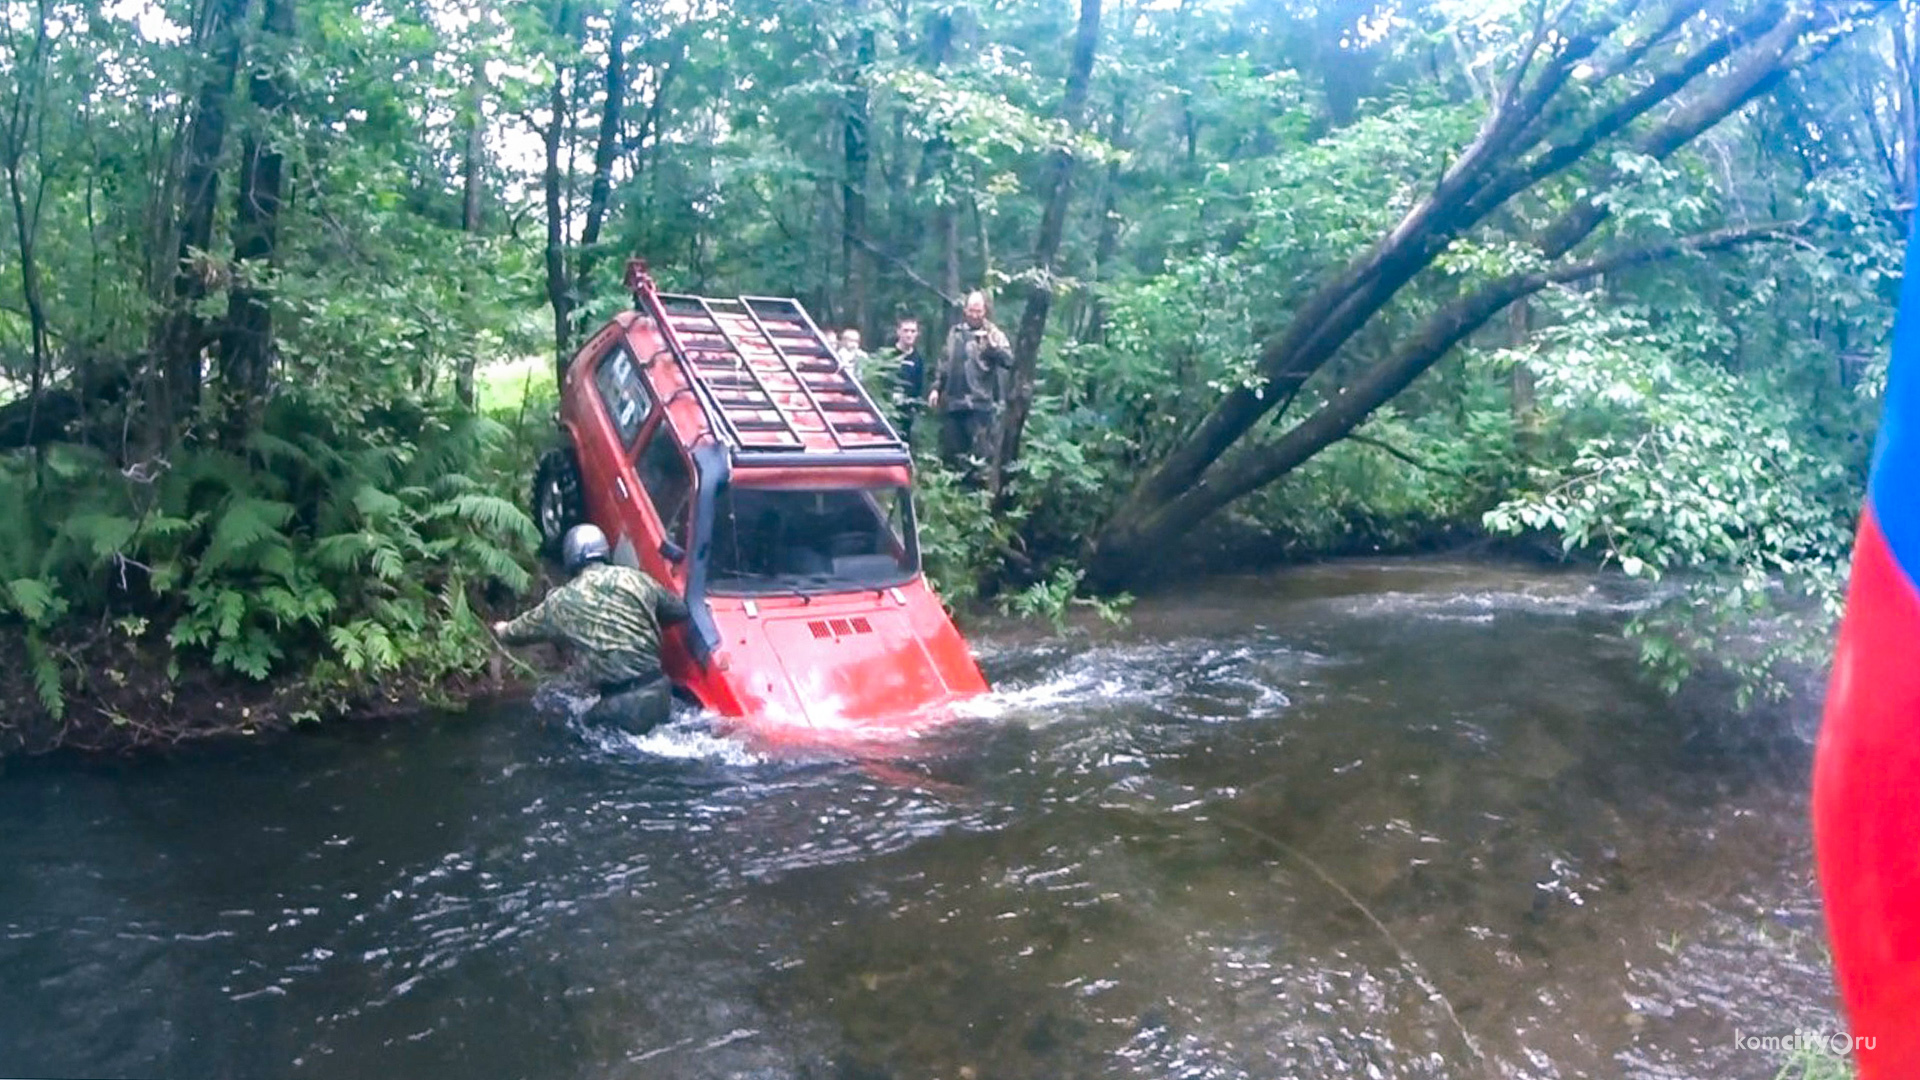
671	551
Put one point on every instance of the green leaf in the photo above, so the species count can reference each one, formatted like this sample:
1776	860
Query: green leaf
244	523
102	534
35	600
46	676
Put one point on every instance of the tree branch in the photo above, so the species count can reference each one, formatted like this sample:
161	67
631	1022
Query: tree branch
1766	62
903	267
1662	88
1678	15
1391	450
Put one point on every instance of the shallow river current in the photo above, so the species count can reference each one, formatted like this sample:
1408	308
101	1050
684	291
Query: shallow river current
1394	819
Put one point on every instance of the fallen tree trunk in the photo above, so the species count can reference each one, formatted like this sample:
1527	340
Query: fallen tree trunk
1514	151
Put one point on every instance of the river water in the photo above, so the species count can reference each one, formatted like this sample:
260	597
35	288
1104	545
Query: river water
1397	819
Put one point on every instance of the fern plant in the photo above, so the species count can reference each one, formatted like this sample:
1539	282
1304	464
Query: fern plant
359	546
33	589
319	548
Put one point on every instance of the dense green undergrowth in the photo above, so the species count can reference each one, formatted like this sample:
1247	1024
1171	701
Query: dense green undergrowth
335	554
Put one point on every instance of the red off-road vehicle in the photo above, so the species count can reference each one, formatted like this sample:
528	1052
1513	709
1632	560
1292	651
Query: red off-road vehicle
723	449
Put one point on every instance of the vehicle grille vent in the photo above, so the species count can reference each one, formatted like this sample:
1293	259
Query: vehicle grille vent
839	628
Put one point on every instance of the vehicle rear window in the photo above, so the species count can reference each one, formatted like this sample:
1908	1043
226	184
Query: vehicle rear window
625	394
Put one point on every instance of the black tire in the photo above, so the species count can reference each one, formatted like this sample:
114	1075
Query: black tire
556	498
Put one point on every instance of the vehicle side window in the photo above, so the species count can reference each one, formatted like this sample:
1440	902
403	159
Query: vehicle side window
628	404
663	472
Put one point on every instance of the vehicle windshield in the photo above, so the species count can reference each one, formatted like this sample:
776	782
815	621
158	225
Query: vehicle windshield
811	540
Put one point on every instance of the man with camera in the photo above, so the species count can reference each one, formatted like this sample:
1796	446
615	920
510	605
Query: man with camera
970	386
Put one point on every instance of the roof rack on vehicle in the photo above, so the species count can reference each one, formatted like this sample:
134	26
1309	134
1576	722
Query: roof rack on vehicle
764	373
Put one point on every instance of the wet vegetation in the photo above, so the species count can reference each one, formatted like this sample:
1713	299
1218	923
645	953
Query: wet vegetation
1606	279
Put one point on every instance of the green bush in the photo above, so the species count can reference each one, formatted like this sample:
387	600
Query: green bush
318	549
1667	462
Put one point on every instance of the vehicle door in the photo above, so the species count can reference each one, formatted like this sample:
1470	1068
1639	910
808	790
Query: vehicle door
666	484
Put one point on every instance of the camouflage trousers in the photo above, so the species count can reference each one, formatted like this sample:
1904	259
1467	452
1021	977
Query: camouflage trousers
634	708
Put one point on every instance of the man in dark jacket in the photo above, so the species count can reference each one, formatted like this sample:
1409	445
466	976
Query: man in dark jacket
971	385
909	373
612	617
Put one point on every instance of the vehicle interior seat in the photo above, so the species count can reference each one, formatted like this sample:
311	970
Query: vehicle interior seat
802	546
804	559
843	544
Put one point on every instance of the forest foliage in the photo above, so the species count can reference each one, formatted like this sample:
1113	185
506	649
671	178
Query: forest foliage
1612	277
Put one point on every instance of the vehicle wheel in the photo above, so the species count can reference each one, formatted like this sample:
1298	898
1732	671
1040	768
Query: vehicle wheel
556	498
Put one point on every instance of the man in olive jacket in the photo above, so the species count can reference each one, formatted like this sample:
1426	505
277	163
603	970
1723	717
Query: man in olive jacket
612	617
971	385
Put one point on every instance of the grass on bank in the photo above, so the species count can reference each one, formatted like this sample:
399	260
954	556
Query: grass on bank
503	387
1816	1063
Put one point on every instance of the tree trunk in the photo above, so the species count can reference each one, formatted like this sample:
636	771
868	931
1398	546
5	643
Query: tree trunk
1523	394
950	269
182	334
473	193
1188	485
1108	236
981	241
1058	184
1452	324
26	229
1339	308
936	162
1250	471
1345	67
831	230
856	263
24	117
902	239
1906	104
647	140
246	341
559	287
608	148
473	161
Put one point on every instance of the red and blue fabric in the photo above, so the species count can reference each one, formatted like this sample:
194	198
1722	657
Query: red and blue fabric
1866	776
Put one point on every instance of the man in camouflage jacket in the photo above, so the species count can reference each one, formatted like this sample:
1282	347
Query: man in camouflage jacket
971	385
612	617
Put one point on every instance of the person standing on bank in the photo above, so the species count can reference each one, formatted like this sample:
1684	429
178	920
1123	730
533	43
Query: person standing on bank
971	385
612	617
909	372
852	355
